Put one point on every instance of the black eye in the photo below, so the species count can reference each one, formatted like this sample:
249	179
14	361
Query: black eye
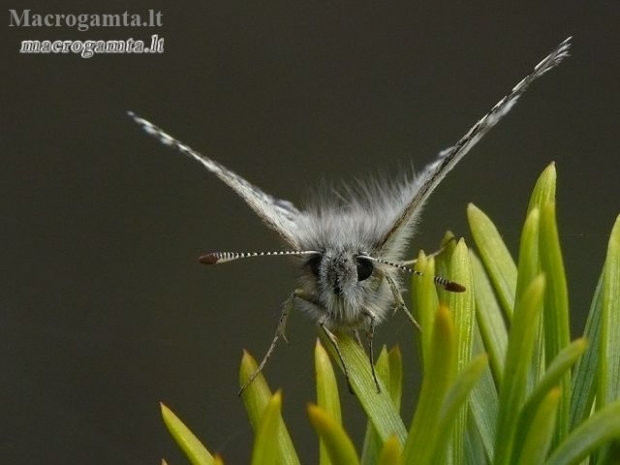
364	268
315	264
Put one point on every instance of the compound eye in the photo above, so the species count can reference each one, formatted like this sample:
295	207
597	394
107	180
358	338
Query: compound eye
315	265
364	268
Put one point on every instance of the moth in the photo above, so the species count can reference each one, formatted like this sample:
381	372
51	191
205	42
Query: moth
349	246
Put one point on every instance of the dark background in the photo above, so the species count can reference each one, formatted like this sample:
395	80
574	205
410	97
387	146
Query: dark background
104	309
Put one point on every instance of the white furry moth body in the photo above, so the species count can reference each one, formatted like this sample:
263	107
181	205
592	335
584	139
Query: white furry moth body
350	247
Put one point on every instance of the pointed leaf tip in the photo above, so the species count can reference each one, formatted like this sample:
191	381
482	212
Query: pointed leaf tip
544	189
337	443
195	451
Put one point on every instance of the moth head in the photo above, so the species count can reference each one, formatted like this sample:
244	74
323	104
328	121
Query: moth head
339	272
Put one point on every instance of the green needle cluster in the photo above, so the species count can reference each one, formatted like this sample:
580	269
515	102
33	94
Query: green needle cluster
502	381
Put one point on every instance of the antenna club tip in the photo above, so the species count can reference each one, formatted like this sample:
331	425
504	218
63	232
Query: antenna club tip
209	259
454	287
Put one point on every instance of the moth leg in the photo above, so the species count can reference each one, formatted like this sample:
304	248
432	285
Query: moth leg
286	307
370	335
332	338
400	303
357	337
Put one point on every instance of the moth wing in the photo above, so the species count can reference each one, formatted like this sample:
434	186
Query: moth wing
280	215
426	182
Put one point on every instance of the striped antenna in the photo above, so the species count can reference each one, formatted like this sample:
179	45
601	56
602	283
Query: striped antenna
214	258
439	281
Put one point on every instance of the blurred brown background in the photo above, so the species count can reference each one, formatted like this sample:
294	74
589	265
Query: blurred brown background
104	309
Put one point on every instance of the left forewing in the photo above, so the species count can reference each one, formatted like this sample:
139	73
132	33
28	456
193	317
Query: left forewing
280	215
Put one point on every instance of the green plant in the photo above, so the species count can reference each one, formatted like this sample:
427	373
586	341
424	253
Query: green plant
502	382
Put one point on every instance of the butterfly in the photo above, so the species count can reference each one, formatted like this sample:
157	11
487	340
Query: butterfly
349	245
